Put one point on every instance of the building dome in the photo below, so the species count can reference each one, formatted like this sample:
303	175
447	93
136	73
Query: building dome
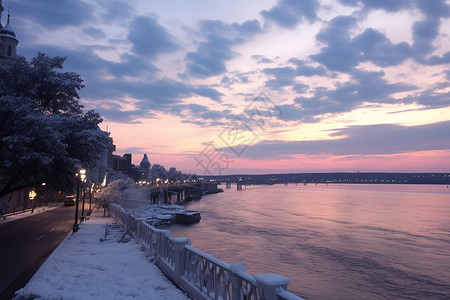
7	30
145	163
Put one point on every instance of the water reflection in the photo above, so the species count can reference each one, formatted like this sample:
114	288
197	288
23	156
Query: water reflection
339	242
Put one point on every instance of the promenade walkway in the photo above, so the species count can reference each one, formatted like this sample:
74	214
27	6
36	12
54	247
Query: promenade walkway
88	266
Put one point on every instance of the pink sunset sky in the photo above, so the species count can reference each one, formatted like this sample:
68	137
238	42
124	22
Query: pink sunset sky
223	87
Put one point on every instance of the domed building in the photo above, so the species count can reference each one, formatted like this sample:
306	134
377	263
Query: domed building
145	163
8	41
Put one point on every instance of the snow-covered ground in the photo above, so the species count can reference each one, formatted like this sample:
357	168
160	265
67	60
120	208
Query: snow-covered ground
84	267
37	210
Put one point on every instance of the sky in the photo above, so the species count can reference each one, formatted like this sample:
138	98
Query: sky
226	87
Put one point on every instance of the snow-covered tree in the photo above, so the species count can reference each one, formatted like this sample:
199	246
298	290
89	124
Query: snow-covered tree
44	134
42	82
112	193
158	171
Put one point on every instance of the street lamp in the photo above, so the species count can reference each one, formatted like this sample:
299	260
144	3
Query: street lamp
90	197
81	176
31	195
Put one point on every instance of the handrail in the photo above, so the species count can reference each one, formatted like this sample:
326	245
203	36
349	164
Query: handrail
200	274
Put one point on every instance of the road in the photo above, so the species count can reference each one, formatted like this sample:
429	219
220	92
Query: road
26	243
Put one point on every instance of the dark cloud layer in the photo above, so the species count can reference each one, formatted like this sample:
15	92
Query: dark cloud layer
54	14
289	13
149	38
360	141
135	74
386	5
212	54
343	53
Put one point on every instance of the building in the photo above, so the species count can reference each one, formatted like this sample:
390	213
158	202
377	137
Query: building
122	164
141	173
8	41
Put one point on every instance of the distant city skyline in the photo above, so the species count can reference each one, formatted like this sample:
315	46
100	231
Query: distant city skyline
218	88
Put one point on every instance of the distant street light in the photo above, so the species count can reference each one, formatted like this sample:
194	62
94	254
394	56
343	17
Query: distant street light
81	176
31	195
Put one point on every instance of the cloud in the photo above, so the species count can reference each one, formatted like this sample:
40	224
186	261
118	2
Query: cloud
94	32
208	92
339	54
304	70
284	76
447	75
248	28
289	13
300	88
261	59
55	14
377	48
343	53
438	60
295	113
436	8
149	38
211	55
424	32
115	11
231	78
202	115
360	141
386	5
122	116
131	65
430	98
364	87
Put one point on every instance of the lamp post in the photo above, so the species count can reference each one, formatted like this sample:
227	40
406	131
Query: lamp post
81	177
82	208
90	197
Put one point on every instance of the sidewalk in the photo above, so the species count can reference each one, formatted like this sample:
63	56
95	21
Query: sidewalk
84	267
27	213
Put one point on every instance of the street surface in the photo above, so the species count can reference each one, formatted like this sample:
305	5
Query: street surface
27	242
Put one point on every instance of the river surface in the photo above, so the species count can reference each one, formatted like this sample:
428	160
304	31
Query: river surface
333	241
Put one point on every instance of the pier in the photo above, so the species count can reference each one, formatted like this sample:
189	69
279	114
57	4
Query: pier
179	193
175	194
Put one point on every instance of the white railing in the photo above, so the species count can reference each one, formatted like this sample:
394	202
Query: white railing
201	275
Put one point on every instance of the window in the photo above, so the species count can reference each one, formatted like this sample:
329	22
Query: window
9	50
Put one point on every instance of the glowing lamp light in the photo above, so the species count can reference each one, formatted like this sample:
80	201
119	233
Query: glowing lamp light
31	195
83	175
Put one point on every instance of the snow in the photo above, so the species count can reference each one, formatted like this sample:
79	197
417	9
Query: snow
84	267
18	216
159	213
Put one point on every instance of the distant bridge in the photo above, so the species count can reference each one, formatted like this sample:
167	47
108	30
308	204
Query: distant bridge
174	194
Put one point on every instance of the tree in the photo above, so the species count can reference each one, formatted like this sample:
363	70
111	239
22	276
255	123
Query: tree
54	91
44	134
158	171
113	193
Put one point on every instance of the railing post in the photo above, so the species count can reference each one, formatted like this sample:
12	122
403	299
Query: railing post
268	284
139	231
180	254
235	287
159	244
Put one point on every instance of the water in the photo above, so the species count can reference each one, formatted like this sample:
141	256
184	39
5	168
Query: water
333	241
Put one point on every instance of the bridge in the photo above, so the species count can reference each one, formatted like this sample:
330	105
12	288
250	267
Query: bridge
174	194
178	193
